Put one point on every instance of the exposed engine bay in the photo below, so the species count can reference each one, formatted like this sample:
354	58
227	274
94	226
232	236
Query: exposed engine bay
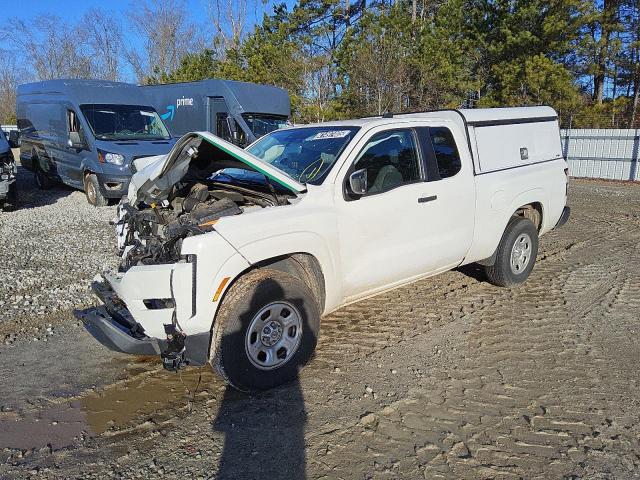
151	231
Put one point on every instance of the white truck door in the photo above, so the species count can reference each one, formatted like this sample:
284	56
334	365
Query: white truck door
380	235
449	197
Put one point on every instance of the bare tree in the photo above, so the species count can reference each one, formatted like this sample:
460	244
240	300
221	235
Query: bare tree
378	74
319	85
230	20
103	34
10	76
168	35
54	49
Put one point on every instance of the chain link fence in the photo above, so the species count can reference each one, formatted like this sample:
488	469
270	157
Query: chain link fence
601	118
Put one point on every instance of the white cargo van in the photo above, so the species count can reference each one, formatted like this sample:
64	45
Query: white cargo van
232	256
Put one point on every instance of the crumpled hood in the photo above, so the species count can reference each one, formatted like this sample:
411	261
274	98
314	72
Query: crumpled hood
156	175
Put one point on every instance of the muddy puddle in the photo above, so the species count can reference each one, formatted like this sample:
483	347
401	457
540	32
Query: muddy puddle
147	394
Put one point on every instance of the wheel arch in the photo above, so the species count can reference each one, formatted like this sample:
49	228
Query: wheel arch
533	211
529	205
302	265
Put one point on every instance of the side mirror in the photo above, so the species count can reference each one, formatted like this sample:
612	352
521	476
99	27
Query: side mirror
75	141
358	181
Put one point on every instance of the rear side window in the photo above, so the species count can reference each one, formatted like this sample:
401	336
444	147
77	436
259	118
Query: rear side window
445	151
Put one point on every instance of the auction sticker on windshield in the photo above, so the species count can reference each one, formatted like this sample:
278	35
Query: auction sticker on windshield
331	134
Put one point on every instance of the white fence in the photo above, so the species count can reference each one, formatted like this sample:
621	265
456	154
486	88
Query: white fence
602	153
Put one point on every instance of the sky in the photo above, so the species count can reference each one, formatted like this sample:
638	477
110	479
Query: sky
73	10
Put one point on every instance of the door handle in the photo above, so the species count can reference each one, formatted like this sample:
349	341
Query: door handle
427	199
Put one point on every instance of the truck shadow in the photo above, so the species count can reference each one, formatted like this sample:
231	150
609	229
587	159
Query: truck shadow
474	271
263	433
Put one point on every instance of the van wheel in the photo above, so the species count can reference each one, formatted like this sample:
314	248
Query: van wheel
92	191
265	331
516	253
42	181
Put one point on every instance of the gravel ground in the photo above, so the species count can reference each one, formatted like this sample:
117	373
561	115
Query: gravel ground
449	377
52	246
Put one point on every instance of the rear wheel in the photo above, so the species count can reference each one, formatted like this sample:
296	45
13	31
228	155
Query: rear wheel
516	254
265	331
42	181
92	191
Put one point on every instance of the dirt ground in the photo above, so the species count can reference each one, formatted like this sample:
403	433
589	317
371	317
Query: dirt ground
449	377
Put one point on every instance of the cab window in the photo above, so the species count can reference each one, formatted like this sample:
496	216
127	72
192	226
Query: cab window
223	122
222	127
72	122
391	160
445	152
73	126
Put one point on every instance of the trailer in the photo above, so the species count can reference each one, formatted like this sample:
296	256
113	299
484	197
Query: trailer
239	112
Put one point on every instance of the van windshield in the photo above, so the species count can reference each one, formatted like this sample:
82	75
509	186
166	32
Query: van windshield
260	124
305	154
125	122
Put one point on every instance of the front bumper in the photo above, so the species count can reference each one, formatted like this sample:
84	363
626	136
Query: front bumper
113	186
115	336
113	326
155	295
564	217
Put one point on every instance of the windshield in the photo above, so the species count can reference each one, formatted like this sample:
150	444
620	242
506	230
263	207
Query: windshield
262	124
305	154
125	122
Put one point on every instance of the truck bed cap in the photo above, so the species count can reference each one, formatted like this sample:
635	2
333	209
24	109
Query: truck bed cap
508	115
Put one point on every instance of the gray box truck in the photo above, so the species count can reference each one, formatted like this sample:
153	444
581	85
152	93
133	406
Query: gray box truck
86	134
239	112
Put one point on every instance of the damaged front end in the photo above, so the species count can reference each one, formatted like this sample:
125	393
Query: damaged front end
150	305
8	172
140	313
154	235
187	192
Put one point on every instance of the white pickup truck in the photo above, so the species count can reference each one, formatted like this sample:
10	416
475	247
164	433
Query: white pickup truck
232	256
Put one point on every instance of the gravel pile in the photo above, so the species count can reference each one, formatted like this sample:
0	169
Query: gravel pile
52	246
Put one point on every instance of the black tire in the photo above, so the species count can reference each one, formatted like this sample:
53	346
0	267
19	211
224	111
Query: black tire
505	274
259	290
92	191
11	202
42	181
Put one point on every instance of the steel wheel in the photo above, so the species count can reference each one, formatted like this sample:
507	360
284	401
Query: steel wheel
90	190
273	336
520	253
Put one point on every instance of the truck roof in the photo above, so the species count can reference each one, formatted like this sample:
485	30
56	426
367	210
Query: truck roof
249	97
87	91
476	116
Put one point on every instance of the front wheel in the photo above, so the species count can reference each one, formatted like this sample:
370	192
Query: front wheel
516	253
265	331
92	191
